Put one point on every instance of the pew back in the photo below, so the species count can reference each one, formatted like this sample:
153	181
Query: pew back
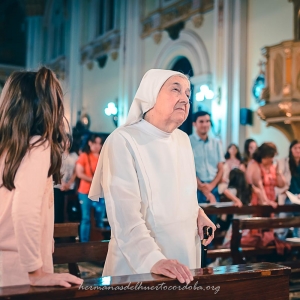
247	282
239	254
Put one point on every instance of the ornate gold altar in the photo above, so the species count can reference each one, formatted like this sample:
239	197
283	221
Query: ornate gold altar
280	100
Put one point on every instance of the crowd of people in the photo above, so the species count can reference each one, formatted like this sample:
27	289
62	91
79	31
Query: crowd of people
254	178
149	173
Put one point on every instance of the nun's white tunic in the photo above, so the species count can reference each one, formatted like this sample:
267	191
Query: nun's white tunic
148	180
150	190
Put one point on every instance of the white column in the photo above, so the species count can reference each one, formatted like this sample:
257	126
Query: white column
231	58
216	110
239	69
130	55
227	59
74	66
34	42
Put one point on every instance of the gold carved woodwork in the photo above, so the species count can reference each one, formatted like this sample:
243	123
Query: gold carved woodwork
90	65
157	37
114	55
280	106
101	47
180	11
58	66
197	20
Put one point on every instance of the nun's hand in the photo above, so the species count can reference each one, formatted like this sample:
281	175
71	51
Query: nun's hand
202	221
173	269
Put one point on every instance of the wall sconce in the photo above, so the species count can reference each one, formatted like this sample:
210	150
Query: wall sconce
205	93
112	110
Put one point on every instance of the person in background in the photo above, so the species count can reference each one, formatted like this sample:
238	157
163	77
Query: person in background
249	148
233	157
241	193
67	186
290	167
233	160
32	139
85	169
264	176
208	157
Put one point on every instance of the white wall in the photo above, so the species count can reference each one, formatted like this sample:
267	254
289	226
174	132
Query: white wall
269	22
100	86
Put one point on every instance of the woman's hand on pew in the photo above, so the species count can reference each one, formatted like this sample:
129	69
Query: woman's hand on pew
273	203
202	221
238	203
41	278
173	269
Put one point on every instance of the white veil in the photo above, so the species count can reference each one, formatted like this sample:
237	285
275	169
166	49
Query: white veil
143	101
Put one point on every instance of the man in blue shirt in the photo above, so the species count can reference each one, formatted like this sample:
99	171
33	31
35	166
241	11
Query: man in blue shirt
209	159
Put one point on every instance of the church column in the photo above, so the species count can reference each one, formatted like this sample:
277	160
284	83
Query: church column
34	11
227	74
239	70
131	51
230	67
74	66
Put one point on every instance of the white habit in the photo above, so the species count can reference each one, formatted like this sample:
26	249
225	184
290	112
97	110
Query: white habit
148	180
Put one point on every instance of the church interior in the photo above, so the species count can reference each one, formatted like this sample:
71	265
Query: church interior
242	59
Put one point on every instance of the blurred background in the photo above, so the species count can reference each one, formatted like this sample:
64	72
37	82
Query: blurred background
242	56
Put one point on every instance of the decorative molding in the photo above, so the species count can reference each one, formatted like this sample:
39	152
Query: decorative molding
198	20
102	47
90	65
157	37
34	7
189	45
170	16
102	61
114	55
59	66
280	100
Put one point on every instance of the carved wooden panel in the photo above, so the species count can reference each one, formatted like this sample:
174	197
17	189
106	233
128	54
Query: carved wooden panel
278	74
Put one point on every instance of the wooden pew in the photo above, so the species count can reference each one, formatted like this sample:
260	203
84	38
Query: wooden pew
67	230
229	208
240	254
70	231
73	253
247	282
259	210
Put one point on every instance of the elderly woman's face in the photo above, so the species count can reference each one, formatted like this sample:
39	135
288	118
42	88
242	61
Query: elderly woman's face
172	103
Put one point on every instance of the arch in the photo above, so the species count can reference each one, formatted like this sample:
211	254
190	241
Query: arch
189	45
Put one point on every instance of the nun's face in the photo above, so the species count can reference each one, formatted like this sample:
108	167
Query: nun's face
172	103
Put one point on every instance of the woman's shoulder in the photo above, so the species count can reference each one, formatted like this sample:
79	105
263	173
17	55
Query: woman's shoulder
37	143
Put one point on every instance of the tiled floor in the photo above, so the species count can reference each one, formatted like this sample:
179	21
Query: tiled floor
87	270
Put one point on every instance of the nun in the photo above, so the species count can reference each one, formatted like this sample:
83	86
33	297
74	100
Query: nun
146	173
